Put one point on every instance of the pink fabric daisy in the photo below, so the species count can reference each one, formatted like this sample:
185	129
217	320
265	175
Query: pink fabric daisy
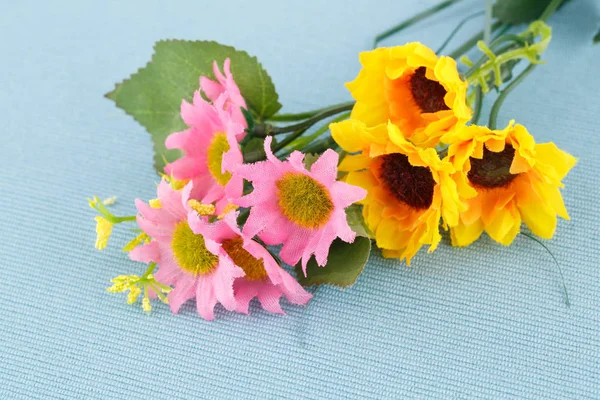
211	139
264	277
301	209
187	261
225	85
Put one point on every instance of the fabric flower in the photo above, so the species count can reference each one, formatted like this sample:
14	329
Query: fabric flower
409	188
409	85
514	179
213	137
301	209
264	278
225	85
187	261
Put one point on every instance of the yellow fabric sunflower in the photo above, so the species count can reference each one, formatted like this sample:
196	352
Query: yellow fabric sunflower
409	85
409	188
514	180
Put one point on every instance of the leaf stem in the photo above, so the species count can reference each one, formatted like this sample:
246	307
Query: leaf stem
472	42
308	139
302	115
411	21
562	277
550	9
478	105
264	130
506	92
455	31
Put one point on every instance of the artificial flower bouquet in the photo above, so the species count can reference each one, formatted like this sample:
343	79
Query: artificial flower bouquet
245	191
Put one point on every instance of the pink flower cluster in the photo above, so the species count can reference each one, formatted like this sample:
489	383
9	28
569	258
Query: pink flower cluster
206	255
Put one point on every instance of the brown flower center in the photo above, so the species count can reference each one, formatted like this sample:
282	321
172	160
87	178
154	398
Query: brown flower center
407	183
428	94
493	170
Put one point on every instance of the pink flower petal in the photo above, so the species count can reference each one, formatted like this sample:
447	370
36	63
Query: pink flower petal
344	195
183	291
211	88
292	249
205	297
186	167
325	168
269	299
146	253
244	293
223	282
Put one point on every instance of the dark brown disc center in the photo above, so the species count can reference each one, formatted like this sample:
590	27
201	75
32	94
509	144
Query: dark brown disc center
428	94
493	170
409	184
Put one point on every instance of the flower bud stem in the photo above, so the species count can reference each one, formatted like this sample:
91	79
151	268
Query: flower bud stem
264	130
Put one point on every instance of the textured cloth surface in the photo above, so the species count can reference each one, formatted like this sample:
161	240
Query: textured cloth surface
482	322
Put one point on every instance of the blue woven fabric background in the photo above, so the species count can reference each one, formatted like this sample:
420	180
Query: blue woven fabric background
482	322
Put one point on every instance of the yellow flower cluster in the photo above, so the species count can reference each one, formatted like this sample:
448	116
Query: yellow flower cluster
410	147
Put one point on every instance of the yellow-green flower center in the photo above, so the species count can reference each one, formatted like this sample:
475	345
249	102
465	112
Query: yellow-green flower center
303	200
190	252
254	268
218	146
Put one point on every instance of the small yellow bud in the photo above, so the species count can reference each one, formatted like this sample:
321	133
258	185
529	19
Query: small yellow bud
134	293
135	242
228	208
155	203
146	305
110	201
103	231
201	209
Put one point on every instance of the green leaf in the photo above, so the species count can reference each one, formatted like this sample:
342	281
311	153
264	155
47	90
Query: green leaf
345	263
310	159
597	37
356	221
154	93
519	11
254	150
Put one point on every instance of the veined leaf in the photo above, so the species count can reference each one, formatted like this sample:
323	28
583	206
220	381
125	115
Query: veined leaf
154	93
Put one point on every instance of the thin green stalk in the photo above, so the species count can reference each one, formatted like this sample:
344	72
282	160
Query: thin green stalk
478	105
487	28
299	144
287	140
562	277
266	129
458	28
495	44
303	115
411	21
468	45
506	92
321	146
550	9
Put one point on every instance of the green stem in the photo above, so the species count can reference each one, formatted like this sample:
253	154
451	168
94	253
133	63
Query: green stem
455	31
303	115
472	42
496	43
287	140
506	92
306	140
266	129
562	277
550	9
110	216
478	105
487	29
151	267
320	146
411	21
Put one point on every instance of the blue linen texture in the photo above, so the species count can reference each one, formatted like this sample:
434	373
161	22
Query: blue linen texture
485	322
